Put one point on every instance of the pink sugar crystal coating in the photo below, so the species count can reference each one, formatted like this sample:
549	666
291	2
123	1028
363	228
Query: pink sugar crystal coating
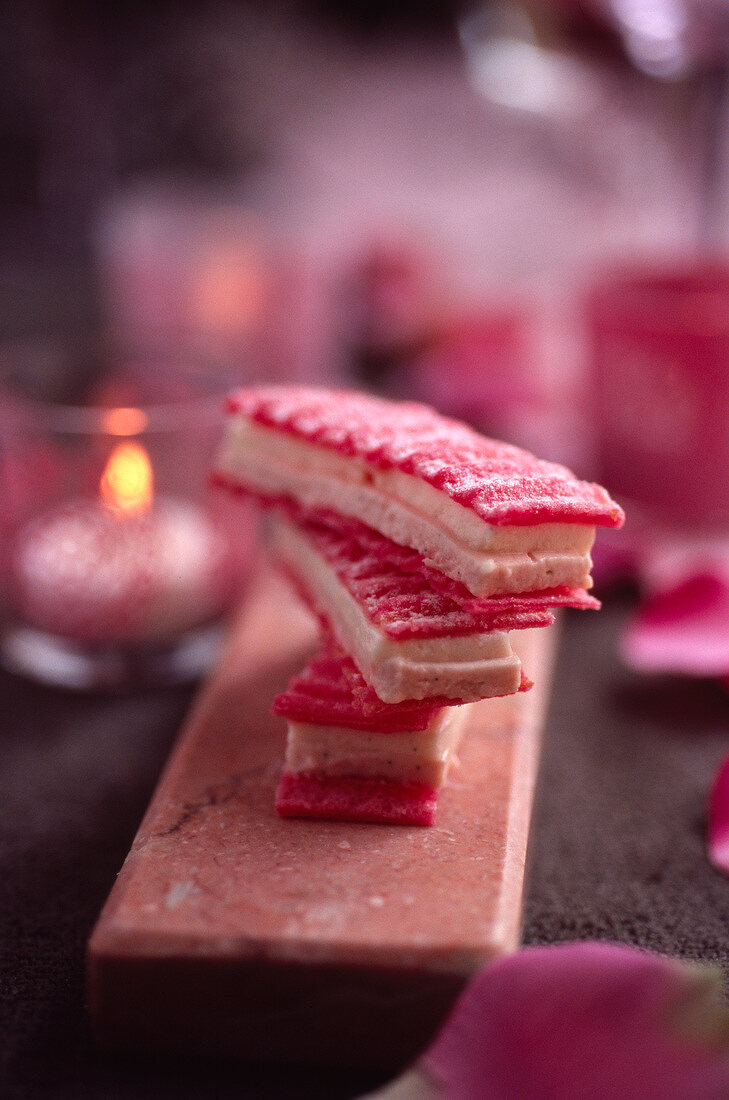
502	484
383	801
331	691
405	598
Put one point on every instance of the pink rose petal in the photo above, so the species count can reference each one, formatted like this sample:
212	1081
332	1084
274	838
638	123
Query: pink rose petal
583	1022
684	629
718	824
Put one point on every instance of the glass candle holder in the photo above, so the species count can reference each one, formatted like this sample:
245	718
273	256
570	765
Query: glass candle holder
660	390
119	564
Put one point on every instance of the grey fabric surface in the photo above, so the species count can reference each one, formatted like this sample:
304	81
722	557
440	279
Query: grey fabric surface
617	847
617	852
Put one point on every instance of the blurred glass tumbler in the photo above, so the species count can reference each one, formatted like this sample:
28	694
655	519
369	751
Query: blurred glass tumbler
118	562
660	389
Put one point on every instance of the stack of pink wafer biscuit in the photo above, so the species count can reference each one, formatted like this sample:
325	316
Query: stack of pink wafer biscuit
420	545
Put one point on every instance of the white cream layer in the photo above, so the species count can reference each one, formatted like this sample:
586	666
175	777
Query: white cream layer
470	667
452	538
407	757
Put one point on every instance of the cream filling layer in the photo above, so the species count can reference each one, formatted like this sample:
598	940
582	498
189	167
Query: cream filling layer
452	538
422	757
470	667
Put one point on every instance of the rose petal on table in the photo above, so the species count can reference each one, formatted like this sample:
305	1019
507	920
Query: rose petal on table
684	629
718	819
580	1020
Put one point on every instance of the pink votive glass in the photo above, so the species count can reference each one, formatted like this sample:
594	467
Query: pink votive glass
119	565
660	391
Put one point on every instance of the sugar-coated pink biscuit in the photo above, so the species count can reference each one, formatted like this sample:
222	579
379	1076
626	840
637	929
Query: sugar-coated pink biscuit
502	484
405	598
380	801
332	691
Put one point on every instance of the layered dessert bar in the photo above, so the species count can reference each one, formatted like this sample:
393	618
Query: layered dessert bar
351	757
485	513
420	545
412	632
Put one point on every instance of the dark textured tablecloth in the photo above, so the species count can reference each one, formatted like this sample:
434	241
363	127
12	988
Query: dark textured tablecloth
617	852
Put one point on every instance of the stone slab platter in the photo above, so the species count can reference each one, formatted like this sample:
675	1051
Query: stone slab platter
232	931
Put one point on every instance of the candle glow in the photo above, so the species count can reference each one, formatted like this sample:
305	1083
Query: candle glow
127	482
124	421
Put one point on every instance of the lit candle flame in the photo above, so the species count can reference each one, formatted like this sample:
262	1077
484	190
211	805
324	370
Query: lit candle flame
126	485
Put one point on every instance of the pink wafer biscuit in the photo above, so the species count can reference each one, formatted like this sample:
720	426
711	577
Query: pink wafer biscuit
408	639
483	512
405	598
501	483
352	757
331	690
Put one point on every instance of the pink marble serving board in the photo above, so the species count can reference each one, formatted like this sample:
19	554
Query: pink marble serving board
232	931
